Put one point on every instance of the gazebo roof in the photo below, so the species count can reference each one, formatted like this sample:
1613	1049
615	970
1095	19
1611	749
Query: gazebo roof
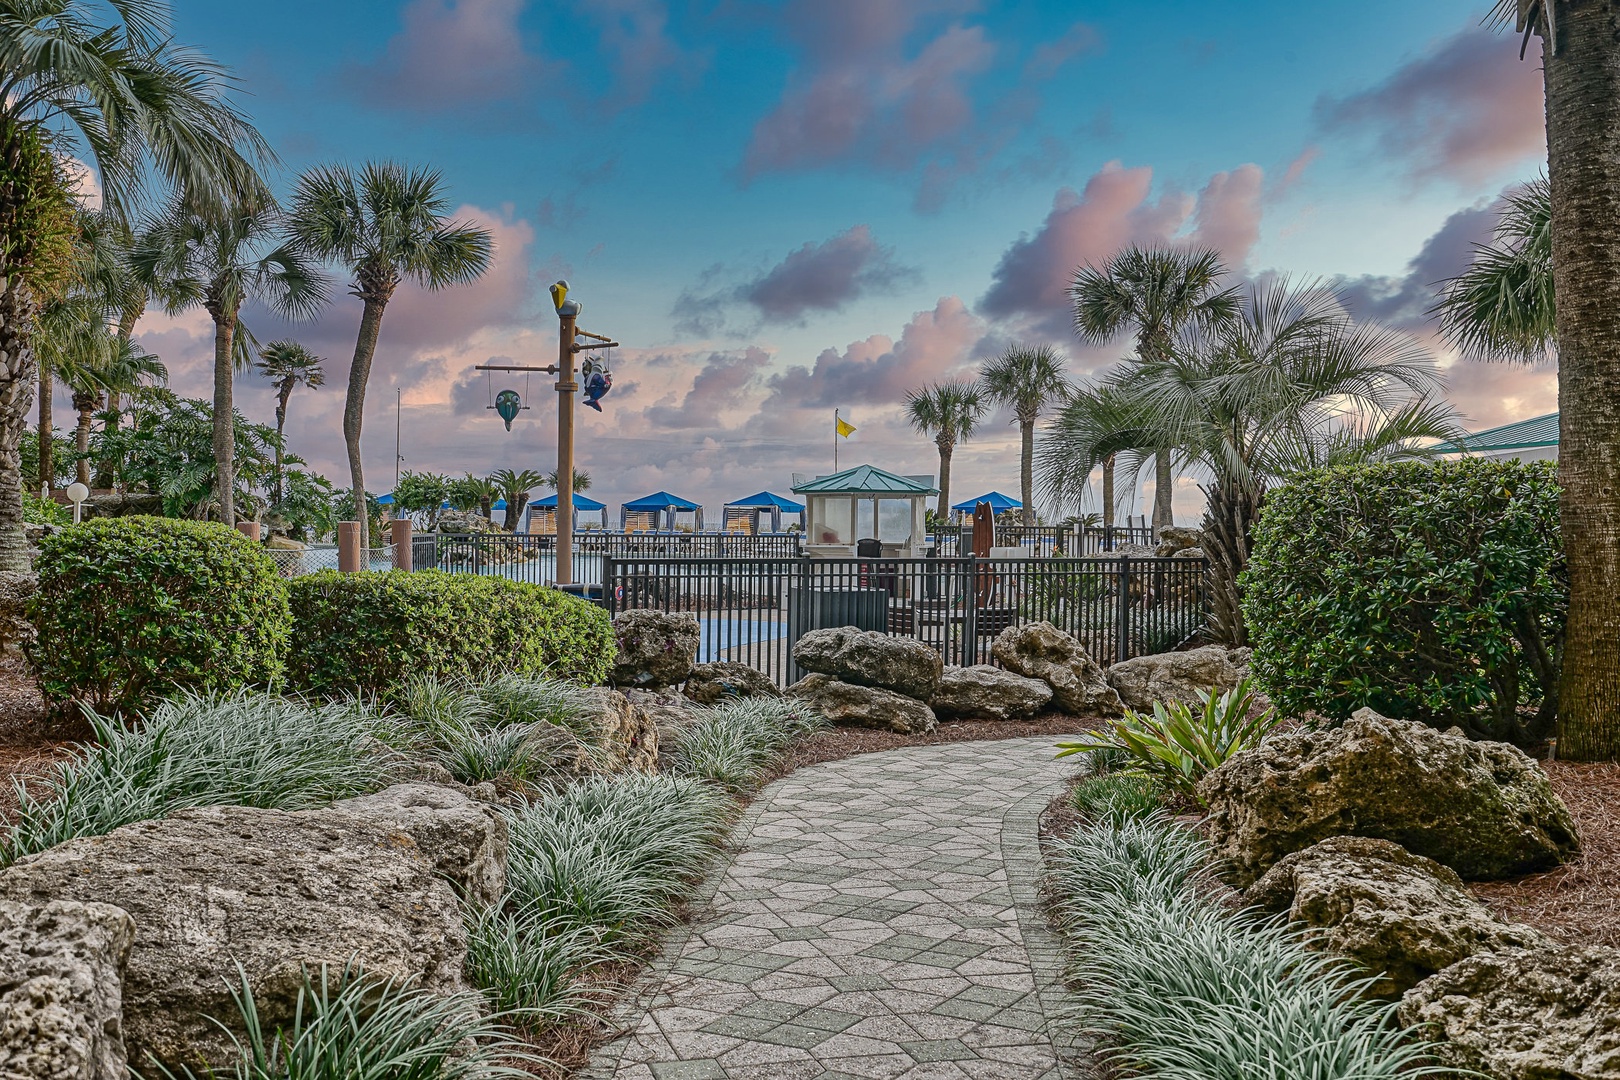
581	502
1523	435
864	480
999	503
661	500
766	500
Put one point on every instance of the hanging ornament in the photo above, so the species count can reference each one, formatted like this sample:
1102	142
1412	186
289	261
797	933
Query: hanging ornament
507	405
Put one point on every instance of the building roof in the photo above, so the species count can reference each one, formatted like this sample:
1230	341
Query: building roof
661	500
581	502
766	500
864	480
999	503
1523	435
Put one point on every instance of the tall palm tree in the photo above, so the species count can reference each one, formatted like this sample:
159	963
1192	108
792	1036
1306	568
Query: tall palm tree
514	488
117	367
288	364
1289	383
1582	85
1027	380
1156	291
219	262
947	412
582	480
385	224
102	80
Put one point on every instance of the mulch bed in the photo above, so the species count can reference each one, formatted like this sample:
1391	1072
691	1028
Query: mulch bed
28	743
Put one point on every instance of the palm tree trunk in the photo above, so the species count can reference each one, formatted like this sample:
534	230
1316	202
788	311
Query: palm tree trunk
1582	72
365	348
282	397
47	459
17	311
509	520
943	508
224	418
1228	525
81	442
1108	500
1026	469
1163	490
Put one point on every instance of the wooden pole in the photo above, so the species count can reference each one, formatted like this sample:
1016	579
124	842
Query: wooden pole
402	543
249	529
566	389
348	534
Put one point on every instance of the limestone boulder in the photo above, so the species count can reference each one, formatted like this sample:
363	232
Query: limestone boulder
1548	1013
61	990
277	892
868	658
656	648
983	692
1177	539
1399	916
852	705
628	735
726	680
1175	676
1039	650
1484	809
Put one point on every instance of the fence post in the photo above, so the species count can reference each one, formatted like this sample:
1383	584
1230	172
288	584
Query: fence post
249	529
609	593
404	556
970	611
348	534
1122	612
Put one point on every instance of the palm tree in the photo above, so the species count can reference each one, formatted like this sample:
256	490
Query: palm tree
385	224
1157	291
1583	173
1026	380
117	367
1097	425
582	480
948	412
514	488
288	364
1501	307
219	262
1289	383
102	80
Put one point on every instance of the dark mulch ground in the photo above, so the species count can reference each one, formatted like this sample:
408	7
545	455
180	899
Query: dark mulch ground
28	745
1580	901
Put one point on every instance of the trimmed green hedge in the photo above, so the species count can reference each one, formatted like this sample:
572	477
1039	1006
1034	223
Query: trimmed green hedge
375	631
1430	592
131	610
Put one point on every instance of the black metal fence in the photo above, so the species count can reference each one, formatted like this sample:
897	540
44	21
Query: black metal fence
1035	540
755	610
1096	540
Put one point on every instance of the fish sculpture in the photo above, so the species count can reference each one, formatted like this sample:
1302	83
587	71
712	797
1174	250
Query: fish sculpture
597	384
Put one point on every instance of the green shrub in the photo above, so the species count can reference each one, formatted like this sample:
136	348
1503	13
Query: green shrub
45	511
130	610
374	631
1115	798
244	750
1178	744
736	743
1433	593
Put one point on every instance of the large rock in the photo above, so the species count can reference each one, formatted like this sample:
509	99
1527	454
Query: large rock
278	892
1177	539
1398	915
726	680
850	705
61	990
629	735
1484	809
868	658
1040	650
1551	1013
1175	676
983	692
656	648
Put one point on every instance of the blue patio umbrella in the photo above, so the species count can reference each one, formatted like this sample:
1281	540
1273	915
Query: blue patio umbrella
999	503
767	502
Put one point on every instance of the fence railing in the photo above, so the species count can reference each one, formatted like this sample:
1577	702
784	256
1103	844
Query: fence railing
1095	540
755	610
1040	540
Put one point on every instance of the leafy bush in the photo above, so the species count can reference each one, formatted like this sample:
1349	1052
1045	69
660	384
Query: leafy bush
357	1028
130	610
1184	987
374	631
1433	593
1178	744
511	729
735	744
45	511
1115	798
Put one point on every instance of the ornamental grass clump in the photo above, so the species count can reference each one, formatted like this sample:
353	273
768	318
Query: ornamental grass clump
514	730
245	749
1180	987
1116	798
737	743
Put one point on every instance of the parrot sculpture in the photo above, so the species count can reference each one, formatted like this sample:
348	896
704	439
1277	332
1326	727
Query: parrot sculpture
597	384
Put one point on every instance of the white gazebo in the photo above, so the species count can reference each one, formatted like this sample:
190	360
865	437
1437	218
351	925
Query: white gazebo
866	503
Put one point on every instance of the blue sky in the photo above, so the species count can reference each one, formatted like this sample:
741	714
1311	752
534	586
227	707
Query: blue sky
781	208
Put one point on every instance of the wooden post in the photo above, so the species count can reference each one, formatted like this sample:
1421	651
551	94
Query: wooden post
401	528
566	389
249	529
348	533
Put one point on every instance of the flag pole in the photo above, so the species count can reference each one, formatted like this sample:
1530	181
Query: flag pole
835	440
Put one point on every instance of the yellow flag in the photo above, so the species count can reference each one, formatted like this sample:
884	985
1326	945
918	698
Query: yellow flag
845	428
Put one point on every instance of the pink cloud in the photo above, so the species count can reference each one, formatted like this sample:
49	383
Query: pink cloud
717	396
1228	214
1465	110
450	53
1049	58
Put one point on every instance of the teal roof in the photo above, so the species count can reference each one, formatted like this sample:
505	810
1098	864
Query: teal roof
863	480
1524	435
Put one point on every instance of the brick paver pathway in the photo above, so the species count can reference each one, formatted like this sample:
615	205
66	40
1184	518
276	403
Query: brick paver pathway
879	921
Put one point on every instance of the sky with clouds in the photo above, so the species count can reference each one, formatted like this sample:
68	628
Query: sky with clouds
783	207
